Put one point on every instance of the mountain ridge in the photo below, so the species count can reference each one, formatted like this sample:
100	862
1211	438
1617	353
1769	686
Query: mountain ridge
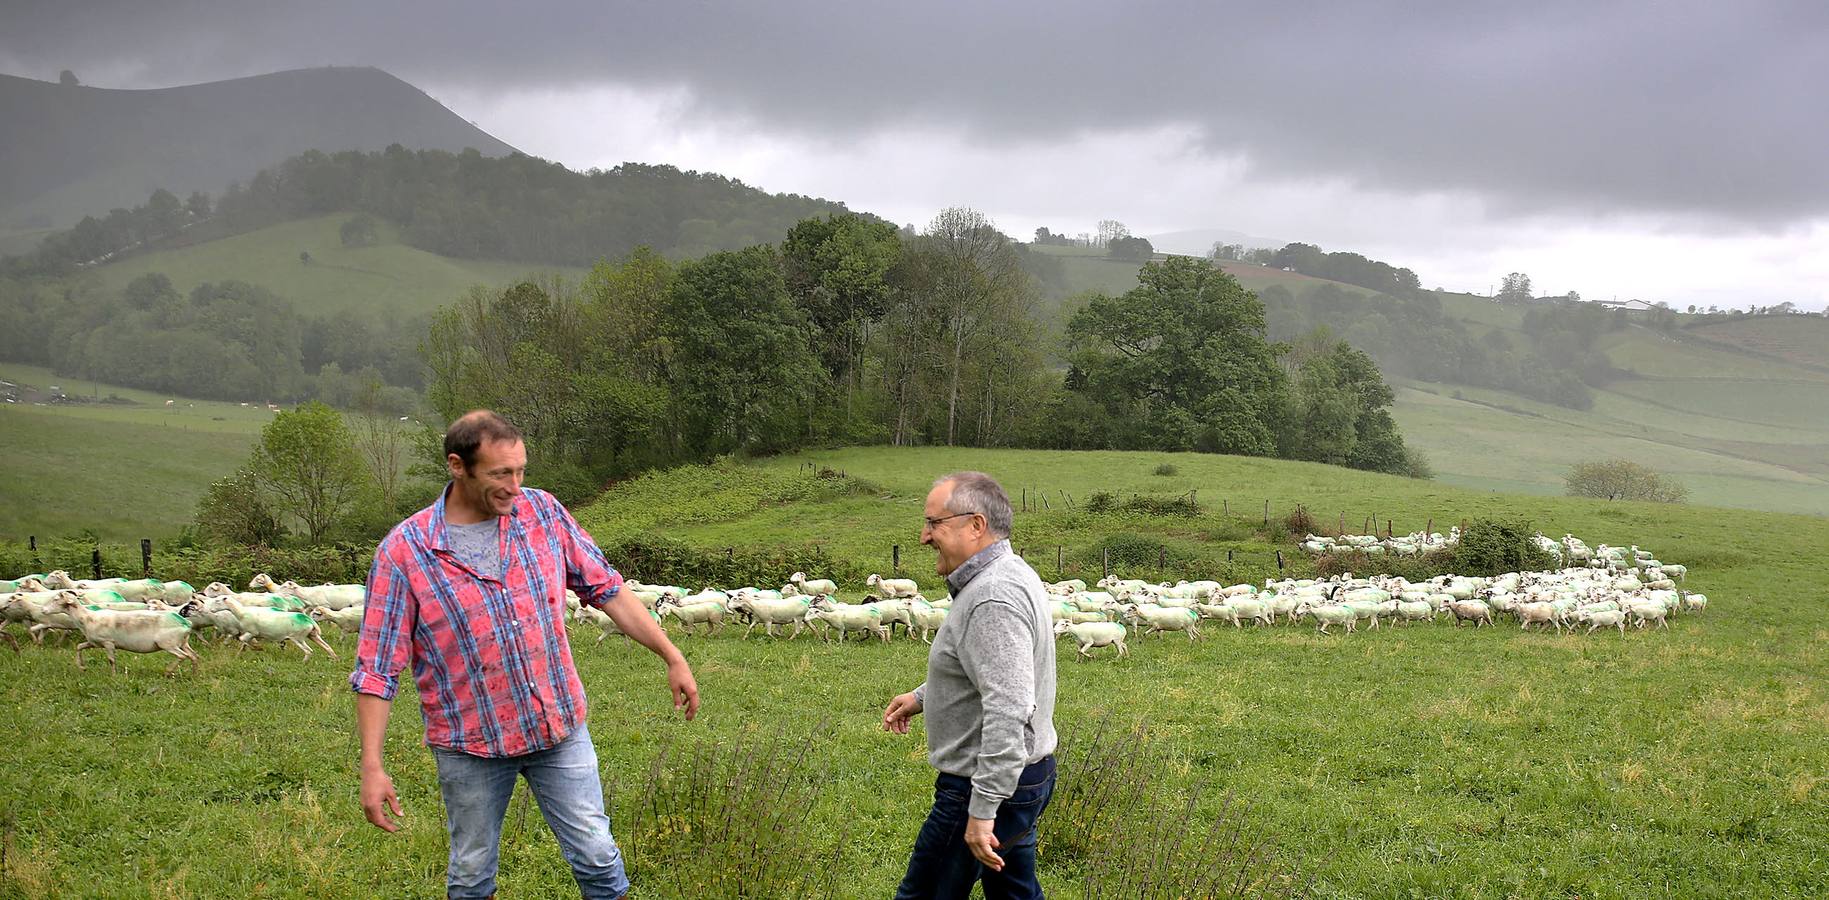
66	154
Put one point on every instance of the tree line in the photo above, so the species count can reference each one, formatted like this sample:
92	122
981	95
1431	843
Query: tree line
1559	361
467	205
226	340
851	331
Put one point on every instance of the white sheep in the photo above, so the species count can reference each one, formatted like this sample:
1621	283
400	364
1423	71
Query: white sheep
710	613
816	586
1475	611
140	631
349	618
266	624
848	618
1607	618
772	613
1164	619
1095	634
892	588
332	596
929	618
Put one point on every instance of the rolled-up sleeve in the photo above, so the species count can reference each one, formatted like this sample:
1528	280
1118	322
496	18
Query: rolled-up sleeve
386	643
587	573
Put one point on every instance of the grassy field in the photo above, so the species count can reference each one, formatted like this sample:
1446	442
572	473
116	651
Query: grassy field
127	470
387	277
1429	761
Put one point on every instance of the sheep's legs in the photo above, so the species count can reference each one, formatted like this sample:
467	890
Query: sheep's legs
318	637
79	655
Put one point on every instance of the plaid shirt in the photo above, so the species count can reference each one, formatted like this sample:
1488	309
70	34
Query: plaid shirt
489	655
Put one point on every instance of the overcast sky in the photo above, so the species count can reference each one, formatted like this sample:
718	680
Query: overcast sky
1672	151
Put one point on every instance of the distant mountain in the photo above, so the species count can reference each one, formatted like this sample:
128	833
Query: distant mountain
71	151
1198	241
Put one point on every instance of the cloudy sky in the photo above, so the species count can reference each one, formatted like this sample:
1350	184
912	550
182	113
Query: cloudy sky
1672	151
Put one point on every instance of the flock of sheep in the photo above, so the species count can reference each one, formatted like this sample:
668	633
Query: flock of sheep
1601	587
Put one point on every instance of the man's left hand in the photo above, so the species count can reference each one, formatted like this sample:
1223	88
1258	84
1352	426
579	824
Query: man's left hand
685	689
983	843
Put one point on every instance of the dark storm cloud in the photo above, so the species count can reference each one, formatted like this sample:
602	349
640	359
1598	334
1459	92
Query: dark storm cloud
1707	110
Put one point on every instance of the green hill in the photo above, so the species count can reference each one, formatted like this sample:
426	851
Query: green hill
387	277
1738	410
70	151
124	465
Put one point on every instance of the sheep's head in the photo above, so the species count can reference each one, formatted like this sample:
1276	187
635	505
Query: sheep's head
260	582
797	577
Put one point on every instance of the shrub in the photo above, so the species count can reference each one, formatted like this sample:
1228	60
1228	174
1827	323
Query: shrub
1300	522
1101	501
1182	505
1167	469
1621	479
1135	551
652	558
1493	546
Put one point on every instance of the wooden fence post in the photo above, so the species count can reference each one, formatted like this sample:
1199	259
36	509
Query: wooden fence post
895	556
95	560
1228	556
1162	560
145	557
1390	530
1060	560
1279	559
1266	512
1107	562
1429	528
1025	499
1225	506
1045	502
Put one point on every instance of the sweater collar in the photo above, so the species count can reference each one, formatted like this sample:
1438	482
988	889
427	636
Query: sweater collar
969	569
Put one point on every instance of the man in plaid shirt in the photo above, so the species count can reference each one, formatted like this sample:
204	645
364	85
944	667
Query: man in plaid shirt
471	592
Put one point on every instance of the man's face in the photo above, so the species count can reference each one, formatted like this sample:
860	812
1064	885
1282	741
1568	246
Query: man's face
493	481
955	537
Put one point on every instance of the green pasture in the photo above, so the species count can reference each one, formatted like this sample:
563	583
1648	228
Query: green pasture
1798	339
1499	441
387	277
1426	761
124	470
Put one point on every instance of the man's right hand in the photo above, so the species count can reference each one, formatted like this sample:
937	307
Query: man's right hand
902	709
378	799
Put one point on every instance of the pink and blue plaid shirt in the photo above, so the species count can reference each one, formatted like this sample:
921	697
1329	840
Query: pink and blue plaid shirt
489	654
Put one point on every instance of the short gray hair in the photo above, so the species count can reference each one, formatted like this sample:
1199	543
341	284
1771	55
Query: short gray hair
976	492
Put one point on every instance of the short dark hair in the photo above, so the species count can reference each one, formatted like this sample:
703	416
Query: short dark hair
473	429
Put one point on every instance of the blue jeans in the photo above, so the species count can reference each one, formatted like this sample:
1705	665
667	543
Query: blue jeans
942	867
564	781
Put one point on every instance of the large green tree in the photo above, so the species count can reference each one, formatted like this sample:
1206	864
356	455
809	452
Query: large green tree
1183	359
739	354
308	468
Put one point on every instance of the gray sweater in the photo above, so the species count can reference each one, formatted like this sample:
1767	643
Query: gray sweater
989	694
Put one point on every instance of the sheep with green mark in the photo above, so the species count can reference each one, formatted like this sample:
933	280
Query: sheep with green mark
260	623
140	631
848	618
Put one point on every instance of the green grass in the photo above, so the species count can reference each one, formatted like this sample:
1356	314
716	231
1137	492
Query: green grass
1429	761
389	276
127	471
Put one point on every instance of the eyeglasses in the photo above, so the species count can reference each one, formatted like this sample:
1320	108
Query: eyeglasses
937	521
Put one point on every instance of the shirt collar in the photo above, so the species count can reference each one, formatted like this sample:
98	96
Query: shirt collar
438	538
969	569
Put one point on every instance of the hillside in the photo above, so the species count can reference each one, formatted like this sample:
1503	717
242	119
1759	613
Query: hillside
71	151
128	468
1738	410
388	277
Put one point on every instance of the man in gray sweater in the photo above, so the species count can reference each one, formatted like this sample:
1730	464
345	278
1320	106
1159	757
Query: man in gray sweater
989	702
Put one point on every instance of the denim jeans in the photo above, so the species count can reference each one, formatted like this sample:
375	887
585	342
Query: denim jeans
564	782
942	867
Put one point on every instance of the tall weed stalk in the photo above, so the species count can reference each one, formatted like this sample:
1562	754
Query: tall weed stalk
730	821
